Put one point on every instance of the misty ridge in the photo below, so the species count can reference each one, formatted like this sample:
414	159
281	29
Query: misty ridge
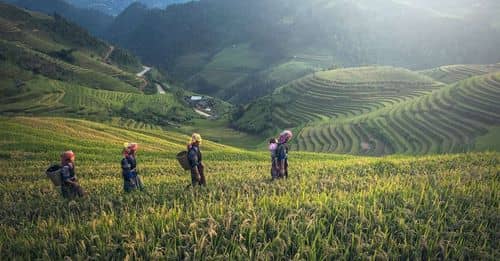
183	40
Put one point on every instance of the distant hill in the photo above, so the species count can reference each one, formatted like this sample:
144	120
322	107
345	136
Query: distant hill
49	66
242	50
58	49
115	7
237	50
93	20
333	95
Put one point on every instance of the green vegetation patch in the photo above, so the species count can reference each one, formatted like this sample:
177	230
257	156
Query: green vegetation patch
290	71
42	96
237	57
455	73
372	74
490	141
125	60
334	95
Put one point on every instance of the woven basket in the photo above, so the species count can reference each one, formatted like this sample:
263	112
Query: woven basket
182	157
54	174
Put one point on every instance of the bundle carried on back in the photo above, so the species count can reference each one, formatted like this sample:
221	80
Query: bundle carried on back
182	157
54	174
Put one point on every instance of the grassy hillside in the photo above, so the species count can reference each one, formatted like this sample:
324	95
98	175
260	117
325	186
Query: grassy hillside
241	72
335	94
21	56
60	50
227	69
332	207
42	96
52	67
452	119
454	73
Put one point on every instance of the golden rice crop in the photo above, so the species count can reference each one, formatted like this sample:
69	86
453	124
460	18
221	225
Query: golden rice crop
331	207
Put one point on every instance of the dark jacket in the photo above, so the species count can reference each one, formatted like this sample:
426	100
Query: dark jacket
68	173
70	190
282	152
194	156
129	165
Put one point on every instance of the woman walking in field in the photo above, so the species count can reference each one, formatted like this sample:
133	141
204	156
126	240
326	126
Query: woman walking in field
131	179
282	153
195	161
70	188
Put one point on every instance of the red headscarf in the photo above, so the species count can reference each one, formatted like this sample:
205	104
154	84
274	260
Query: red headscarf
130	149
67	156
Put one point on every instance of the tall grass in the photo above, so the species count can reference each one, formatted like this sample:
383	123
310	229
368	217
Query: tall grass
332	207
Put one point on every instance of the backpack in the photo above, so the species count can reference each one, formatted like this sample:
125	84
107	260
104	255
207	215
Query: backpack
54	174
182	157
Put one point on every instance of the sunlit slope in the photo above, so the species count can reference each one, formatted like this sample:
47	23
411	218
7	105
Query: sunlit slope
332	207
448	120
60	50
49	67
454	73
331	95
45	137
42	96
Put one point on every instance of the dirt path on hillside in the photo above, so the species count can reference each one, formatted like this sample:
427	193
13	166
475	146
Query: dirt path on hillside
141	75
160	89
110	51
143	72
204	114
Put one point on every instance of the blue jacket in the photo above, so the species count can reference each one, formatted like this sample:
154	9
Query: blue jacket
129	165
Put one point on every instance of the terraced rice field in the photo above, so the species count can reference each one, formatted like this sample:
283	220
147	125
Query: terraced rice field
331	208
41	63
455	73
345	93
42	96
447	120
7	26
30	40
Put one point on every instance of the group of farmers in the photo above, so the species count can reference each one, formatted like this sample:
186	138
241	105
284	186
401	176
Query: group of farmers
70	187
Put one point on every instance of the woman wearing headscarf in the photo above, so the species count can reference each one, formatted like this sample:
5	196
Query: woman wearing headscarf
282	153
131	179
195	161
70	187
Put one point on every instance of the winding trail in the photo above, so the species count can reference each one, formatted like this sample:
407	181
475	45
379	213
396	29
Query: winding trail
160	89
143	72
110	51
141	75
204	114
